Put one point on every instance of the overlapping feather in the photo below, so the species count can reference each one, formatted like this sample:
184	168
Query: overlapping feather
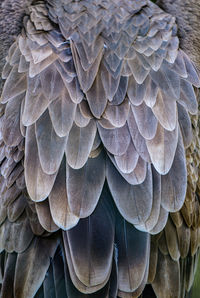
99	97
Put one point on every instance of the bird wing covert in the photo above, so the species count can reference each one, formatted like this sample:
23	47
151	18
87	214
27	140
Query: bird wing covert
95	121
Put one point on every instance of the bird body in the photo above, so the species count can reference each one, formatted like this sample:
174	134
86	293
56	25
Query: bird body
95	121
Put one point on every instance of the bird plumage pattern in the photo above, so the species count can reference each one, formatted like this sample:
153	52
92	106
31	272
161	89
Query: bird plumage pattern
99	153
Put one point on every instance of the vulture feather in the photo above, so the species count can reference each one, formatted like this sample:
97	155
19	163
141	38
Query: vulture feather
99	148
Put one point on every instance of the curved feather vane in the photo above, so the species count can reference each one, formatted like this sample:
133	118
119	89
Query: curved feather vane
83	200
39	184
133	201
133	252
11	125
173	197
61	112
44	216
162	148
79	144
24	285
59	202
90	247
50	146
94	122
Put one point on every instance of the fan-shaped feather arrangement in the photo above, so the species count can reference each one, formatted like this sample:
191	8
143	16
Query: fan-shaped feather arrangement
96	114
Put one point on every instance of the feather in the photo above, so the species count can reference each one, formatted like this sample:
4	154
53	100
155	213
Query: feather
74	90
62	113
134	202
174	184
18	155
155	211
16	236
48	283
109	289
59	202
138	140
50	147
79	144
146	121
14	85
162	149
85	109
84	59
109	82
33	220
115	140
138	291
41	53
89	248
177	219
7	167
136	92
86	78
38	183
33	262
96	97
185	125
106	124
16	208
59	273
14	175
51	82
93	50
90	178
35	102
184	236
133	255
179	65
172	240
138	71
167	282
165	111
120	94
155	61
162	244
168	81
80	120
126	71
6	71
55	37
44	216
153	261
194	241
128	161
35	69
188	97
8	195
66	75
117	114
87	53
113	63
151	93
192	75
11	124
20	182
8	279
162	220
137	176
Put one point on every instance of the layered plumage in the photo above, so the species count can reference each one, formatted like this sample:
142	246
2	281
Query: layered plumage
95	119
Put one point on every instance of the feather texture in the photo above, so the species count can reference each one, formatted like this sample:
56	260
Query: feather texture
94	119
90	178
38	183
